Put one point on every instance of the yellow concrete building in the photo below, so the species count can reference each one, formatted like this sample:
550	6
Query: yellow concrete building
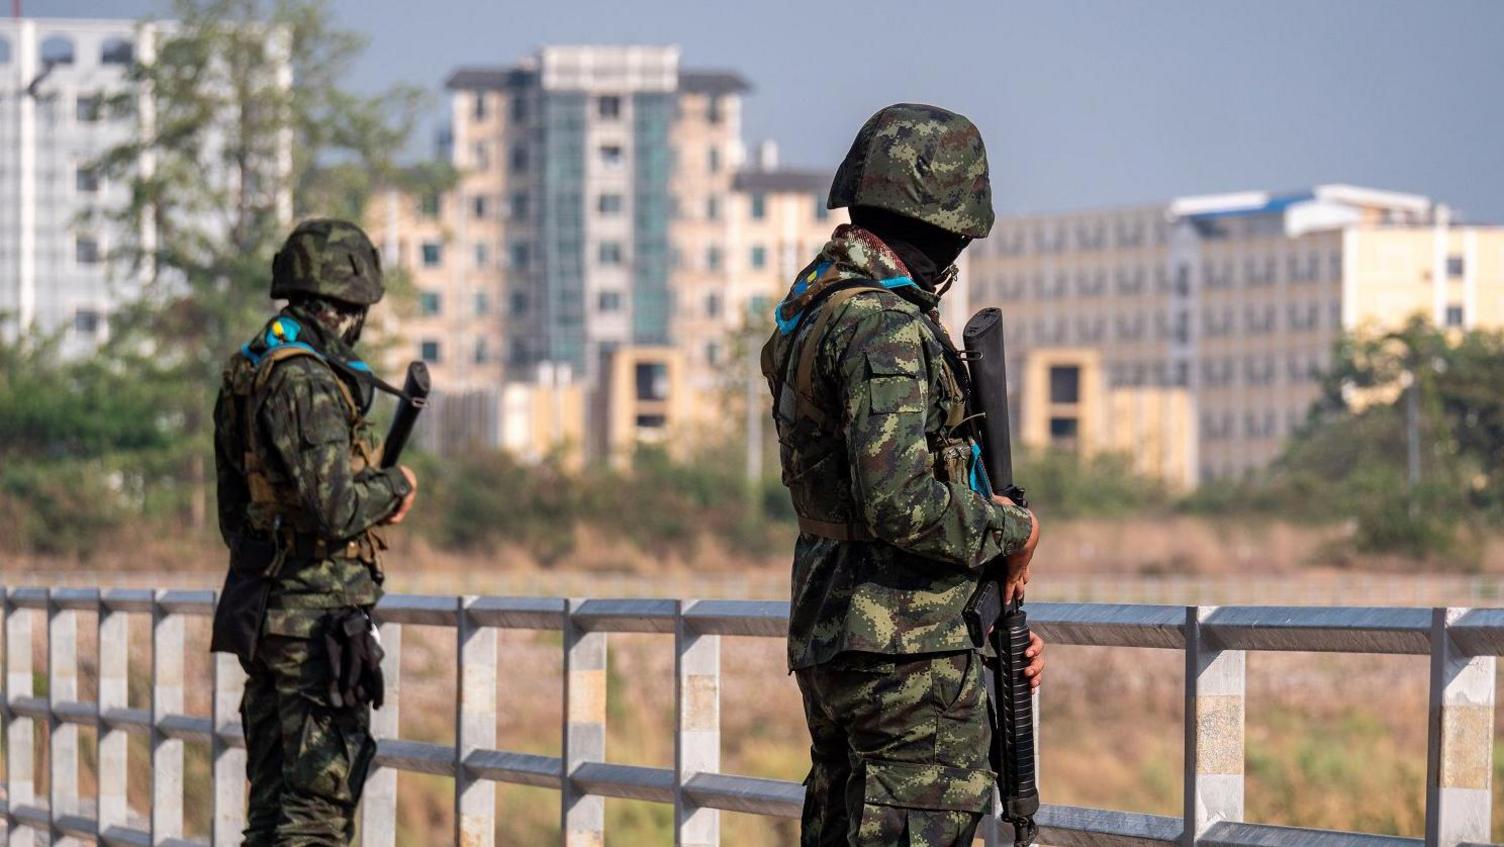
1236	300
1065	402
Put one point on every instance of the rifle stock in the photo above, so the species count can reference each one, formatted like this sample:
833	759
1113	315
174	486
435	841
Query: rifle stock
1006	629
416	388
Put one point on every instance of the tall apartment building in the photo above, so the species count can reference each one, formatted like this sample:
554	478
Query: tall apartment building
57	81
604	234
1234	300
573	163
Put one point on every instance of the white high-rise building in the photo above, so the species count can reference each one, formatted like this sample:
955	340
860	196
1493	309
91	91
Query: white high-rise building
61	83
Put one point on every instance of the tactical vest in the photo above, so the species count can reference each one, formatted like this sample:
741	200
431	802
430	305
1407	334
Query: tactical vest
276	511
811	441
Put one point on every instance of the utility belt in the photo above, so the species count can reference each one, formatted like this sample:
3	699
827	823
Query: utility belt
257	555
311	548
838	531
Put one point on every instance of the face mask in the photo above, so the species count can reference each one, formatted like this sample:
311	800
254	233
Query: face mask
350	326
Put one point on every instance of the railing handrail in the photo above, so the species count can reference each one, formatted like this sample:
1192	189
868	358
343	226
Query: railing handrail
1463	645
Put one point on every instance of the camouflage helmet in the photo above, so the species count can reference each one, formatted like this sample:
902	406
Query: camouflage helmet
330	258
921	162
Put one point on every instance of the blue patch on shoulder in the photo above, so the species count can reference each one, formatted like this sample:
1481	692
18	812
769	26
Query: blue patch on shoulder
786	326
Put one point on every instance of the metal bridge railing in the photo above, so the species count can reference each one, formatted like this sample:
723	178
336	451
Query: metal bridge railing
1462	645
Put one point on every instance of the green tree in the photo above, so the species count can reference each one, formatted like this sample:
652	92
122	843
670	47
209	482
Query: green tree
1407	442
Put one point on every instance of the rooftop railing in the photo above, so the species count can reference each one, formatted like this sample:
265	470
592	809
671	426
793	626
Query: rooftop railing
1462	645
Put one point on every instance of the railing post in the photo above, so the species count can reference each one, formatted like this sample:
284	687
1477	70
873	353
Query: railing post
62	738
697	722
20	764
1460	740
475	729
583	816
378	822
228	760
114	693
1214	710
166	699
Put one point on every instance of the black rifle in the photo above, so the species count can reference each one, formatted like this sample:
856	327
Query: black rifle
1007	629
414	398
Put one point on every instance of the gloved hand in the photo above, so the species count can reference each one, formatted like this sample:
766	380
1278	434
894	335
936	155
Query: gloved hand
354	659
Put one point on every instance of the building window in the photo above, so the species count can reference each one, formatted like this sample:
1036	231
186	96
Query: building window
4	52
713	305
1454	315
86	180
431	254
481	152
429	205
652	381
521	255
518	304
479	109
86	321
610	253
1065	384
89	108
116	51
481	353
713	160
86	250
611	155
759	206
428	303
713	207
519	107
482	255
1455	266
428	350
519	204
713	258
713	109
759	257
517	159
482	303
57	50
609	301
821	213
608	108
1063	432
609	204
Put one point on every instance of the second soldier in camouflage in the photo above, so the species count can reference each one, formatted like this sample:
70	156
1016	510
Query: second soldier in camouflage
870	403
300	497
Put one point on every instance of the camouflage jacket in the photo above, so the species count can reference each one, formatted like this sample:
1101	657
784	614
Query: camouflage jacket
875	456
312	447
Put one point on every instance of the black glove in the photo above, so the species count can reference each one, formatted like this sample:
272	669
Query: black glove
354	660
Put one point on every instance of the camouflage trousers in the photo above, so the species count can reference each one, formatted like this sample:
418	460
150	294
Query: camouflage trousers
898	750
306	760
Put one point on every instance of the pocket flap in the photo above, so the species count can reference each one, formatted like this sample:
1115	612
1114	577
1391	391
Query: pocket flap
885	363
928	786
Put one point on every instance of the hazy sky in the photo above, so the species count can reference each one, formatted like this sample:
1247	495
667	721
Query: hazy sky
1083	103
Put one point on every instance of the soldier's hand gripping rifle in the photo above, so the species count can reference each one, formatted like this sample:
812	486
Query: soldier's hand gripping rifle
1006	629
414	399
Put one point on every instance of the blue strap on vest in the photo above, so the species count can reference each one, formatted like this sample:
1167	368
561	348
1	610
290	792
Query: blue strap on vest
978	480
791	323
284	332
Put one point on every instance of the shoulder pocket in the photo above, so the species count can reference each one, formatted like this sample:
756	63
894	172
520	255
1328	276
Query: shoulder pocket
323	416
894	384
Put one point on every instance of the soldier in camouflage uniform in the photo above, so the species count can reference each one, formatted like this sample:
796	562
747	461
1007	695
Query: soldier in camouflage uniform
869	401
300	496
